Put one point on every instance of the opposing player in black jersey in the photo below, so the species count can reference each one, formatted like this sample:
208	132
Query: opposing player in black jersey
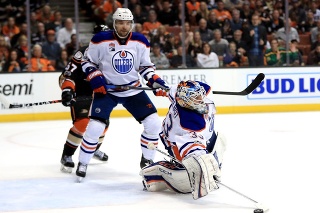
77	94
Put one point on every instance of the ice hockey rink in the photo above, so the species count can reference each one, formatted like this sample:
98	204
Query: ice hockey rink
272	158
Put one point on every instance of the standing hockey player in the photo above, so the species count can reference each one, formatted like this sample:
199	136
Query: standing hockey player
77	93
120	57
189	137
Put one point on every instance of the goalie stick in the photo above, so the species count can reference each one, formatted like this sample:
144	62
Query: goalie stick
257	204
11	106
254	84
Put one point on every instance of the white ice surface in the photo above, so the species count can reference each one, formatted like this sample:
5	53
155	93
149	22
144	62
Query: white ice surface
272	158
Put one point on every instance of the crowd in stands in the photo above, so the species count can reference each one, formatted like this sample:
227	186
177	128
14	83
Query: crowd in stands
217	33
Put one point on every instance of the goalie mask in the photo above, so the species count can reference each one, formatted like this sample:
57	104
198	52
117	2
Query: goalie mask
122	14
191	95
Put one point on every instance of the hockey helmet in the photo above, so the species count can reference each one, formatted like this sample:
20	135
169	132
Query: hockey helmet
123	14
191	95
100	28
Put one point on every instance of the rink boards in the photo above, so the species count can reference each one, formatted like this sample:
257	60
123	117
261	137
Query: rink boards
283	89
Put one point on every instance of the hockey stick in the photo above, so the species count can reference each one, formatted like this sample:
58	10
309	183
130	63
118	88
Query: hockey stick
257	204
11	106
129	87
254	84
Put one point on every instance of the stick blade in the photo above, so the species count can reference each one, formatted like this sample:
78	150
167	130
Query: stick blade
255	83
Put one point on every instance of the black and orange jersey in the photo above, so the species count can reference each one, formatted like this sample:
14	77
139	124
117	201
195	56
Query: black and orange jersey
73	77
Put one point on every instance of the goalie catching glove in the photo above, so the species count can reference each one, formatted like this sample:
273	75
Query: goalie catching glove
97	81
161	88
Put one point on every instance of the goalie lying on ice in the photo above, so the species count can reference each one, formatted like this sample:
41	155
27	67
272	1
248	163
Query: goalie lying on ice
189	137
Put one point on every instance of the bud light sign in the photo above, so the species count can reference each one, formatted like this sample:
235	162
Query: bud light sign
288	85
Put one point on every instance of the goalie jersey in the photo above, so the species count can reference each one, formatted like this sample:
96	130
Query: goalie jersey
120	60
185	131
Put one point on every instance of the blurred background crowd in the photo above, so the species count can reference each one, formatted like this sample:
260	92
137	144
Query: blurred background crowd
42	35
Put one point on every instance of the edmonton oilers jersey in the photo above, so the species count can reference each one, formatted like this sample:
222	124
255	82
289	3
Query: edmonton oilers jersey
120	60
182	125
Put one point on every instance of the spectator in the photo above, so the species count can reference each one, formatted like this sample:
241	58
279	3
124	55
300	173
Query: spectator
297	14
256	38
13	64
51	48
232	58
195	46
241	45
152	24
309	24
110	6
203	12
40	36
158	58
4	48
38	62
139	15
213	23
160	36
315	10
275	22
56	24
138	28
275	56
169	48
71	47
246	12
219	45
176	60
23	31
221	12
10	28
46	15
188	34
227	32
315	44
62	62
295	54
314	57
206	34
22	49
192	7
167	15
236	21
33	22
314	32
64	34
293	33
207	58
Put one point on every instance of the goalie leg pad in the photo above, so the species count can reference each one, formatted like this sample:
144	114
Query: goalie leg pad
201	170
165	175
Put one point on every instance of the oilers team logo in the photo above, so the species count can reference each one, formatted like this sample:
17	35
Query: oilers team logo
122	61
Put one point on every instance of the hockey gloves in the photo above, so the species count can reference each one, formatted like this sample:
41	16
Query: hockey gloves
161	88
67	96
97	80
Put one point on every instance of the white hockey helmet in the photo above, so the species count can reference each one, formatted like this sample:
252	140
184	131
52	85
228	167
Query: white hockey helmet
191	95
122	14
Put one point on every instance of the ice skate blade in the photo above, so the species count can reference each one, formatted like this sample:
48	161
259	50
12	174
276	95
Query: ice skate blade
66	169
79	179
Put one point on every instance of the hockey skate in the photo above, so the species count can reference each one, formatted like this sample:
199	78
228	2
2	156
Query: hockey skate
81	171
100	155
66	164
145	162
